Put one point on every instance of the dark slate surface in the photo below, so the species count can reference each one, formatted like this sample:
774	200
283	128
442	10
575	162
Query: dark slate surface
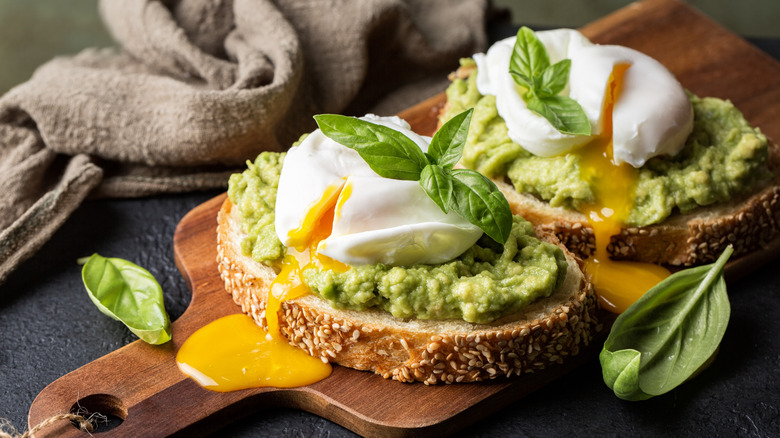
49	327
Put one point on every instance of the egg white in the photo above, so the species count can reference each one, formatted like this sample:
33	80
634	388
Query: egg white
525	127
380	220
652	115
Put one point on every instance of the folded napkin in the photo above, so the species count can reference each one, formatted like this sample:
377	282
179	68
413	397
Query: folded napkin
197	87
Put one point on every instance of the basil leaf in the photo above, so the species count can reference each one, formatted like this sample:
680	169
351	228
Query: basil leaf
668	334
438	185
623	373
479	201
555	78
530	67
522	80
393	155
529	57
447	143
388	152
563	112
128	293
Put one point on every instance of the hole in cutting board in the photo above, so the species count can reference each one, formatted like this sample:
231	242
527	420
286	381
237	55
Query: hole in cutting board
109	411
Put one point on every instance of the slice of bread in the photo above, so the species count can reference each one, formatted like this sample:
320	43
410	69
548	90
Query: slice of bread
544	333
748	222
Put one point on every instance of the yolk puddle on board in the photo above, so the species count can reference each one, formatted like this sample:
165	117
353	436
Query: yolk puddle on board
235	353
618	283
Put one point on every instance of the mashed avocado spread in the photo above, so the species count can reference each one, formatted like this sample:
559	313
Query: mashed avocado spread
722	158
482	284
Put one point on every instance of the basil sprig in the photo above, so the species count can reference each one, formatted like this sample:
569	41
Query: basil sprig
393	155
530	68
668	334
128	293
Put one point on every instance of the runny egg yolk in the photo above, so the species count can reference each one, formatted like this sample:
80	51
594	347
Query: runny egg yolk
315	227
618	283
234	353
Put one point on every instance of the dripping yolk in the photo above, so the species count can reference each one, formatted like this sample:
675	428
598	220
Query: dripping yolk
618	284
302	253
234	353
318	221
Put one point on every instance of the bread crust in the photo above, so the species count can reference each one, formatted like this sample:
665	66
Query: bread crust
748	222
428	351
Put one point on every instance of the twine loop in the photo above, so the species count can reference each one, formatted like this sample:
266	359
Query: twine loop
86	424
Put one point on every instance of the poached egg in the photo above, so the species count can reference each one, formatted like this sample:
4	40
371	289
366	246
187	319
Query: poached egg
637	110
652	116
371	219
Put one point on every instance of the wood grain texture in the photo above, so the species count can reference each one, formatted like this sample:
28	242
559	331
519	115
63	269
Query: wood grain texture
141	383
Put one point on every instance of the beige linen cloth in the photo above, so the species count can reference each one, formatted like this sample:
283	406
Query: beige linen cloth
197	87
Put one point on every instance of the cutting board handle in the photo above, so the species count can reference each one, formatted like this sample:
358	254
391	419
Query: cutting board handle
140	386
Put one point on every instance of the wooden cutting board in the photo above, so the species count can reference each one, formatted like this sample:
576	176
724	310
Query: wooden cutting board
141	384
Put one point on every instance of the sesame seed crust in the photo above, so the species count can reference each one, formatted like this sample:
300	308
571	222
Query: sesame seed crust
432	352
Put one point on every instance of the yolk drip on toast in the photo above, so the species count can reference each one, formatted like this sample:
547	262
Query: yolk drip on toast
618	283
316	226
234	353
